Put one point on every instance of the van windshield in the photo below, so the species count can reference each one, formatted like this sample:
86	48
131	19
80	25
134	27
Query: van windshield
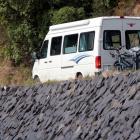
44	49
132	39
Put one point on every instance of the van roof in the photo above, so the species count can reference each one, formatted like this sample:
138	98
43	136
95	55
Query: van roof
93	21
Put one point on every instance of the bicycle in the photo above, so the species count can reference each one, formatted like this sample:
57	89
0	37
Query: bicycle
126	59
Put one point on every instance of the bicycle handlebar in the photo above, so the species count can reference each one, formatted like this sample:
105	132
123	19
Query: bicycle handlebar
133	52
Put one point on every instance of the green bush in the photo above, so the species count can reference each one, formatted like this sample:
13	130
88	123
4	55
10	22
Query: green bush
27	21
67	14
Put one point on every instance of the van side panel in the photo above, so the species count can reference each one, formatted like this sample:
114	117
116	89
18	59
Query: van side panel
83	62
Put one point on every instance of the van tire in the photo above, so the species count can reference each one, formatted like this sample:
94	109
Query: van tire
79	76
36	79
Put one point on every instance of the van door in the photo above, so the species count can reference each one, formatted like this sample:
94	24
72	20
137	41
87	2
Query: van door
111	38
41	62
69	51
78	57
131	29
111	41
54	61
49	64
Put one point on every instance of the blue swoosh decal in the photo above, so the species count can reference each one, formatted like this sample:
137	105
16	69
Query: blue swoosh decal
79	58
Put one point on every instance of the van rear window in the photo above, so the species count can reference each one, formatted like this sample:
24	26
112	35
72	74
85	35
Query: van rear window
132	39
86	42
111	39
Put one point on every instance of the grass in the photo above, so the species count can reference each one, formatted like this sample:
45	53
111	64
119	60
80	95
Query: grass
20	76
10	75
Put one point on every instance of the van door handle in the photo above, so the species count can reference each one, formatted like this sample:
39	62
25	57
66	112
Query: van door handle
45	62
50	61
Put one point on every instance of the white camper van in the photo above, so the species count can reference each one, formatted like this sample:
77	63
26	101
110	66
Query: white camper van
84	46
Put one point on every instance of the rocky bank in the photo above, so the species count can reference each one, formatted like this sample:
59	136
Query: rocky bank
97	109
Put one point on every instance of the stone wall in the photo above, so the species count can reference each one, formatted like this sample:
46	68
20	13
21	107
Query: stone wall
98	109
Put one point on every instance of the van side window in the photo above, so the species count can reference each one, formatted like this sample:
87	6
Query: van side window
132	39
70	44
86	42
44	49
56	45
111	39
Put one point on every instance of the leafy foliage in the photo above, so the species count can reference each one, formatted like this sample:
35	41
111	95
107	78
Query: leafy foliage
27	21
67	14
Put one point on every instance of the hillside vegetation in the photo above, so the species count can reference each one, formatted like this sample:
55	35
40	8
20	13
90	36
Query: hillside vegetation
25	23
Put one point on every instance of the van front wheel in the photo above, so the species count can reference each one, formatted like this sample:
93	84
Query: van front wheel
36	79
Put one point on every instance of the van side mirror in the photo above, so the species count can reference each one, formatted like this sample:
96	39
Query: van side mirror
35	55
38	55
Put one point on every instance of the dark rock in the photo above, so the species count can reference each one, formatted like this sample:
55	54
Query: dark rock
94	109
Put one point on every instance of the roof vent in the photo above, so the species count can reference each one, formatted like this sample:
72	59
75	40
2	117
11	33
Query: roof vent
69	25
